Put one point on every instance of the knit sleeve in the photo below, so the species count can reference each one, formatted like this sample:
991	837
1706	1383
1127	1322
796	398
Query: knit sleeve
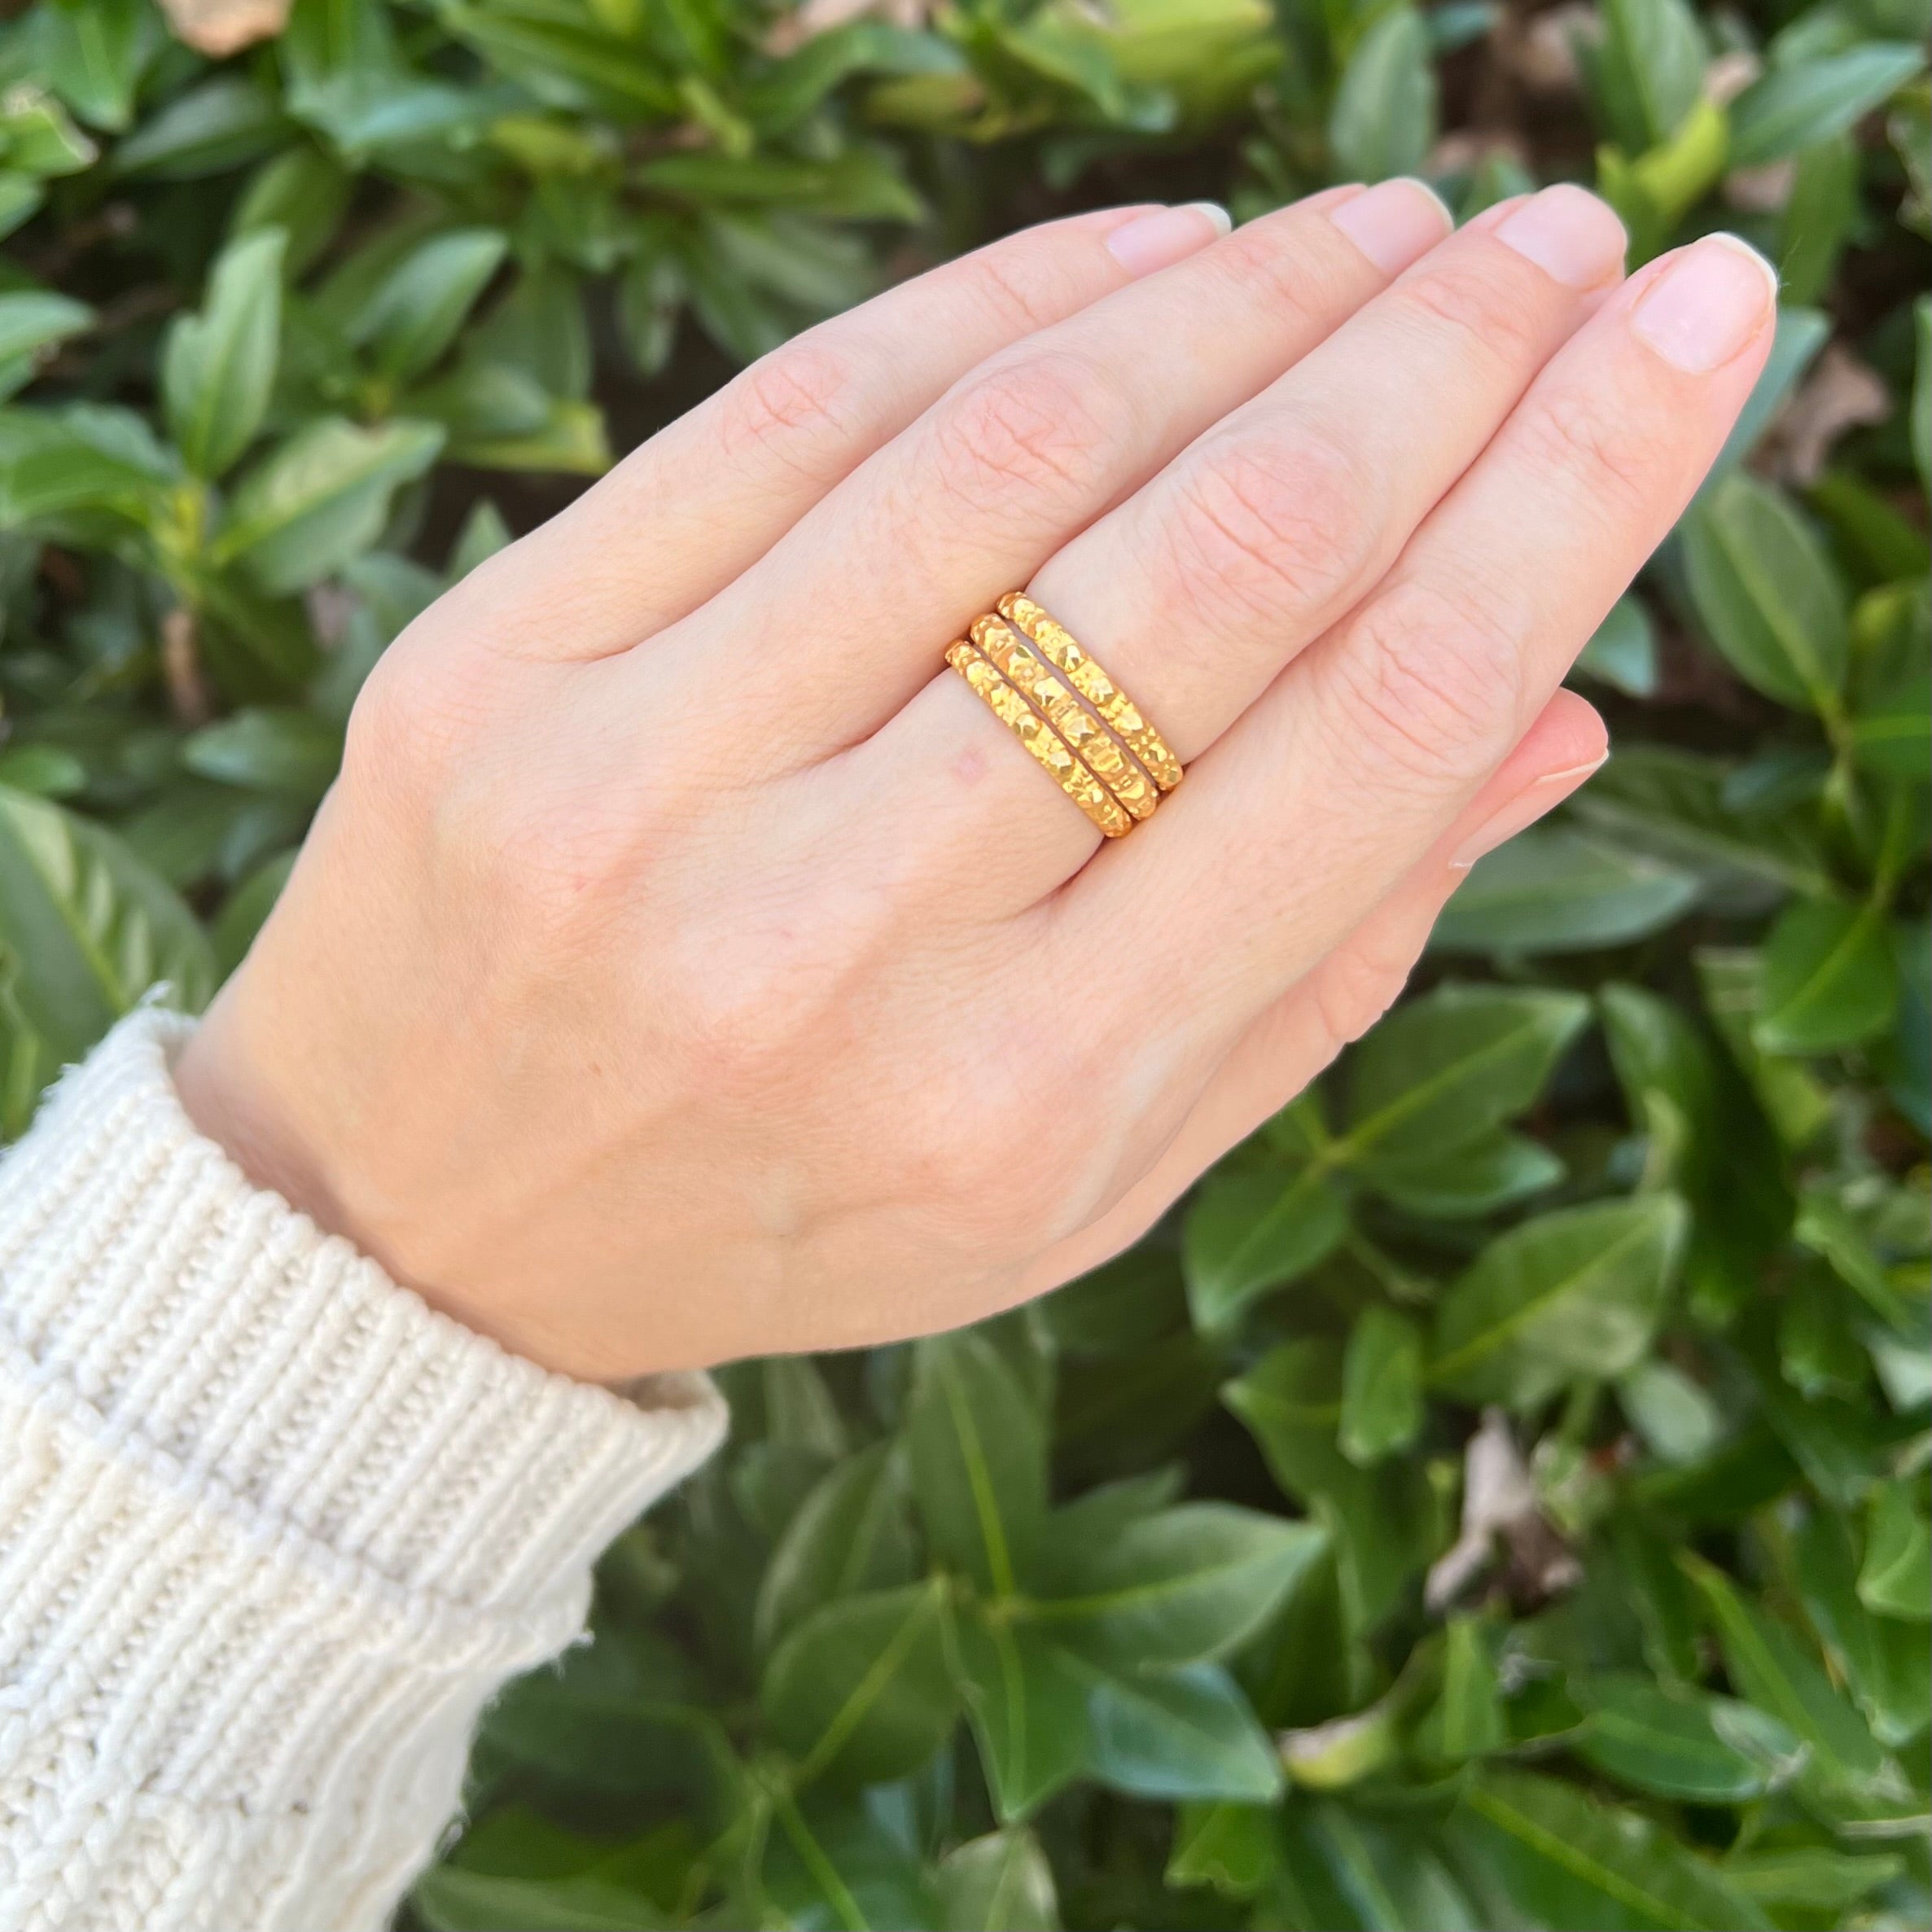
272	1530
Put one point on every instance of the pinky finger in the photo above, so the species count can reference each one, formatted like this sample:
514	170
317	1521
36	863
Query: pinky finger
1295	1039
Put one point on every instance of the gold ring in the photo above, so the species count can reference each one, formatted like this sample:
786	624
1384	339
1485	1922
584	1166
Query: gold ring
1086	737
1114	708
1040	737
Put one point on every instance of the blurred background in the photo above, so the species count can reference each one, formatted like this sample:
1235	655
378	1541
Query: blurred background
1498	1497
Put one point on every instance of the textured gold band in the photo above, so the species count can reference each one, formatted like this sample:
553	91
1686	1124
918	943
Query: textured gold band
1086	737
1116	710
1040	738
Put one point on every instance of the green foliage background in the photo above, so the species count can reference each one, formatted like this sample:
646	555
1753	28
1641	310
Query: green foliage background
1499	1497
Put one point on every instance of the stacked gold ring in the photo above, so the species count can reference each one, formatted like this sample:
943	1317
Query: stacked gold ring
1089	736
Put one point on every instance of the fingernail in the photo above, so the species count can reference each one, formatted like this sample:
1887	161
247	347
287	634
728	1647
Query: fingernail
1395	222
1707	304
1568	234
1543	794
1167	236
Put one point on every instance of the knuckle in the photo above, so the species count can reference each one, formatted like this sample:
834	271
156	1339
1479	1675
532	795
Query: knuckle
1024	429
1432	684
1569	440
409	730
1484	312
799	396
1268	265
1267	526
1355	986
1020	285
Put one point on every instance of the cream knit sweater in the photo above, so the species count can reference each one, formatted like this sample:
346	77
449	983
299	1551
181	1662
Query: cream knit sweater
271	1532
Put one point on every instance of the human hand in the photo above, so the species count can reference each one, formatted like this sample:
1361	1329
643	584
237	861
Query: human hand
686	965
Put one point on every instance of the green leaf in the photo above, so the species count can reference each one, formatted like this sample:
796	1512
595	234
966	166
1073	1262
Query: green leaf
220	365
1247	1233
1027	1698
1444	1070
1795	107
1829	980
1572	1295
1649	69
1885	1661
861	1690
1187	1735
1229	1847
56	463
1379	1519
221	125
1383	120
849	1536
1382	1386
1896	1578
1766	593
979	1461
517	1870
1181	1587
1553	890
284	751
1697	1749
838	1864
1811	1878
319	501
89	927
1768	1664
95	53
1621	651
1678	1419
1678	806
1467	1719
33	320
1467	1183
999	1883
413	315
1567	1860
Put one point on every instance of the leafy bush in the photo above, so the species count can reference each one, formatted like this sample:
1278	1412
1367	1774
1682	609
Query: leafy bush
1499	1497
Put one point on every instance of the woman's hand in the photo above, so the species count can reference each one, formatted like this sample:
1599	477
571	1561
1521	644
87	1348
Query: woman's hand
686	966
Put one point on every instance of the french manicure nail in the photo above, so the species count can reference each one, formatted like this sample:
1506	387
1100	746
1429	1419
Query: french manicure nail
1541	796
1167	236
1568	234
1394	222
1707	304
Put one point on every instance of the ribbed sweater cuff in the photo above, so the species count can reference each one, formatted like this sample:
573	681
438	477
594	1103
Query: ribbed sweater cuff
272	1518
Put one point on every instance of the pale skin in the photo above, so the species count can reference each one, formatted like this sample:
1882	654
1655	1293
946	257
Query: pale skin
686	966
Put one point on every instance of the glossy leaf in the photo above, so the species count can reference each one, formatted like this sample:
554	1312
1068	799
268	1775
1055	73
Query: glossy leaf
1189	1734
1552	890
1567	1860
979	1461
1382	1387
1794	106
999	1883
1446	1069
319	499
1766	593
220	365
1828	978
1248	1233
1575	1293
89	928
860	1691
1702	1750
1181	1587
